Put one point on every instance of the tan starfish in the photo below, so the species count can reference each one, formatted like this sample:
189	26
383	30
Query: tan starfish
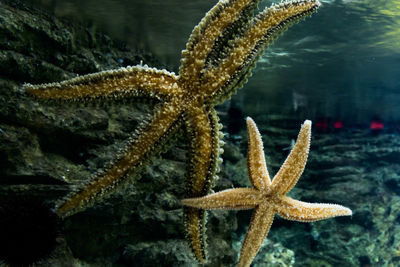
266	197
218	57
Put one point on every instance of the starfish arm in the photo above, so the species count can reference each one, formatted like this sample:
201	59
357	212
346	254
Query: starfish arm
293	167
204	149
137	81
259	227
235	199
295	210
194	223
233	69
256	166
137	151
204	36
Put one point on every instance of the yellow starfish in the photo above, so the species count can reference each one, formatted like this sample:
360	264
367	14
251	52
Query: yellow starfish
266	197
219	55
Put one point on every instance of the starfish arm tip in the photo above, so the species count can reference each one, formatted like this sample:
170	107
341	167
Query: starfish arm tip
340	210
347	212
249	120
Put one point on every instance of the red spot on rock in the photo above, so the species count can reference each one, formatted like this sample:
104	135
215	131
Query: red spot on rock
376	125
338	125
321	125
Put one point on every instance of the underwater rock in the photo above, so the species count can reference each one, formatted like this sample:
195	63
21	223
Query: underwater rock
159	253
175	252
272	255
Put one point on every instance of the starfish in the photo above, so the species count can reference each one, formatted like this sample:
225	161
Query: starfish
266	197
218	57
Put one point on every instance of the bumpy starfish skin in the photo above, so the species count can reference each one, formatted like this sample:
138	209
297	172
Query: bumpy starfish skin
269	198
219	55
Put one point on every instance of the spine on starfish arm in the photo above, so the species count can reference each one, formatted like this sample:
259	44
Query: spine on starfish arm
226	16
205	150
135	81
235	66
138	81
143	145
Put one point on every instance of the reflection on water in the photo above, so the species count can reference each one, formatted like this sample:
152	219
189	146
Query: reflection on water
344	61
